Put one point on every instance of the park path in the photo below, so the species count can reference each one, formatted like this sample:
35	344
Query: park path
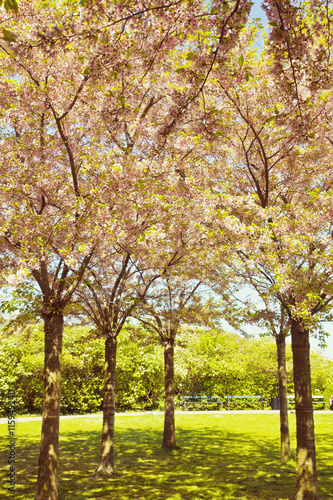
131	414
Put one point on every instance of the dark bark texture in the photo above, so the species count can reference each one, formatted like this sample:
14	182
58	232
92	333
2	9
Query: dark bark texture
169	436
282	375
306	484
106	464
47	482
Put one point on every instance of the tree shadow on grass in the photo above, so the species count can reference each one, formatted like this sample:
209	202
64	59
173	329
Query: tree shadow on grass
324	449
26	456
211	463
209	469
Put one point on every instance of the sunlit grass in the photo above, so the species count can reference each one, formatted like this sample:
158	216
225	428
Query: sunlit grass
224	456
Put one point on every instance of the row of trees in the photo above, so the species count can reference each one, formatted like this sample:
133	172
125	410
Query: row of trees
148	150
207	362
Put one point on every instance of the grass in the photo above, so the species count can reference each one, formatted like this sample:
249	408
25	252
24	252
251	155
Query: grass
221	456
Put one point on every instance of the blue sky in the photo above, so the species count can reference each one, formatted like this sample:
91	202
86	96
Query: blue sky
257	11
247	293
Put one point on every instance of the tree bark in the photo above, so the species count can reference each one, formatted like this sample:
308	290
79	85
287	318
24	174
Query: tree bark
169	436
282	376
306	471
48	463
106	464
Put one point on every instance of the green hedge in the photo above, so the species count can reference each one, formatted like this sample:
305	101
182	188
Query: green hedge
139	371
229	365
206	363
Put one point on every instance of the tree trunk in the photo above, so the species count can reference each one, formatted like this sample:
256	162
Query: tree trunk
169	437
48	463
106	464
282	374
306	484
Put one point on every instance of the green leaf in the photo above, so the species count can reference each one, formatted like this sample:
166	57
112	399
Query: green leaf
84	2
11	5
270	119
8	36
276	111
248	75
241	61
141	184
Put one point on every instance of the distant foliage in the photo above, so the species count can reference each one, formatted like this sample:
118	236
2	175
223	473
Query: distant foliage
139	371
219	363
10	355
206	363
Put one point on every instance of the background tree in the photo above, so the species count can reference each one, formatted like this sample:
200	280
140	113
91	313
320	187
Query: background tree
175	300
115	287
270	316
270	168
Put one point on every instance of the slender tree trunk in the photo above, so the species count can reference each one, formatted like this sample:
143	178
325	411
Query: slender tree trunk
282	374
306	471
106	464
48	463
169	436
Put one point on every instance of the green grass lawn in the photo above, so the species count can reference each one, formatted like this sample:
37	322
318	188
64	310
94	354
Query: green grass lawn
220	457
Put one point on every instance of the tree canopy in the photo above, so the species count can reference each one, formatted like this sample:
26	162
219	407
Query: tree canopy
143	140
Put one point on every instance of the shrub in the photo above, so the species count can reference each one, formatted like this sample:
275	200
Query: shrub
206	363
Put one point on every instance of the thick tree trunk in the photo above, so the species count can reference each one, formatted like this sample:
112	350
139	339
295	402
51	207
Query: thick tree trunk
282	375
48	463
106	464
306	485
169	436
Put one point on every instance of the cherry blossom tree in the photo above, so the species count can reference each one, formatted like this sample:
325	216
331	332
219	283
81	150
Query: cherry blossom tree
44	221
299	43
114	288
271	202
304	290
158	232
246	300
250	165
269	315
276	321
174	300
